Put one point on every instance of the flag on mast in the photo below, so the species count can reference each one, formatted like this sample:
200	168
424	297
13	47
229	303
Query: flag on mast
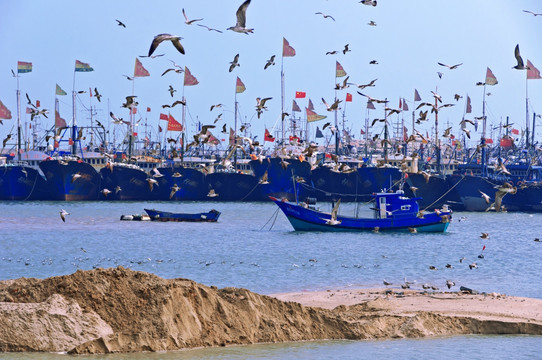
311	106
24	67
295	107
348	97
300	94
318	133
469	106
370	105
287	50
139	70
268	137
313	116
82	67
490	78
339	70
417	96
189	79
239	86
173	125
405	105
4	112
59	91
532	72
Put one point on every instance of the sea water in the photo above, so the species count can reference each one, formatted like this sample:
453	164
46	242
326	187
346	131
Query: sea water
254	247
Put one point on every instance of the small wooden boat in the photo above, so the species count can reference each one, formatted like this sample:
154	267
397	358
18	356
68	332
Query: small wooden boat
392	212
157	215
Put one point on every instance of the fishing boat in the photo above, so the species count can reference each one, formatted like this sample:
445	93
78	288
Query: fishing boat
391	212
157	215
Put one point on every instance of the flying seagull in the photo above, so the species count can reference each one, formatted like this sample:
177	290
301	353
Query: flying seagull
189	22
209	28
269	62
175	40
334	213
520	65
368	2
63	214
346	49
325	15
530	12
234	63
240	26
120	23
451	67
97	94
171	90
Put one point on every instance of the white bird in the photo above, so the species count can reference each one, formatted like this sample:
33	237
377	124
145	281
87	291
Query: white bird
209	28
189	22
175	40
212	193
240	26
334	212
451	67
106	192
174	189
450	283
63	214
152	182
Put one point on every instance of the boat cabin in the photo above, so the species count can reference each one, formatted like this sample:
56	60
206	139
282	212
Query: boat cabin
394	205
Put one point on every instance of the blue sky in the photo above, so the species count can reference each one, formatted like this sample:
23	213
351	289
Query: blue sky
408	41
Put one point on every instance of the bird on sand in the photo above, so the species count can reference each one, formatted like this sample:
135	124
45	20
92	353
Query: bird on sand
520	65
209	28
269	62
189	22
120	23
387	283
325	15
240	26
175	40
234	63
333	220
63	214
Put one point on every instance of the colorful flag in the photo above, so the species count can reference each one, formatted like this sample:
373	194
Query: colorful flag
469	106
348	97
173	125
489	141
134	110
532	72
59	91
189	79
339	71
295	107
319	133
139	70
239	86
164	117
300	94
417	96
370	105
24	67
311	106
60	123
490	78
287	50
405	105
268	137
4	112
515	131
312	116
82	67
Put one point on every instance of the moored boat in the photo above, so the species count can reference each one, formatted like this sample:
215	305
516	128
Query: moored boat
157	215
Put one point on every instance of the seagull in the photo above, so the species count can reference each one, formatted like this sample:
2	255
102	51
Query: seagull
176	174
373	62
130	103
325	15
333	220
171	90
218	118
260	106
473	266
450	283
467	132
106	192
178	71
116	120
189	22
212	193
264	179
520	65
120	23
117	189
240	26
451	67
175	40
63	214
332	52
371	23
75	177
363	86
368	2
152	182
209	28
345	50
174	189
373	99
215	106
234	63
332	107
387	283
175	103
269	62
152	57
484	236
530	12
128	77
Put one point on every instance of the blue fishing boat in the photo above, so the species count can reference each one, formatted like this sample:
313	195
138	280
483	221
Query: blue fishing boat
157	215
392	212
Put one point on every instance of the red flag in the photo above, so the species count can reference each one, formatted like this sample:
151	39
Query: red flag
38	103
348	97
159	128
139	70
405	105
90	91
489	141
59	122
163	117
515	131
148	109
300	94
490	78
362	132
417	96
173	125
239	86
339	70
484	248
134	110
370	105
189	79
287	50
400	103
134	134
295	107
268	137
469	106
532	72
232	137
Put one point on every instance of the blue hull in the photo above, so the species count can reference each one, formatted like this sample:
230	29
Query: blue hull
231	186
61	186
435	192
157	215
133	184
307	219
191	183
19	182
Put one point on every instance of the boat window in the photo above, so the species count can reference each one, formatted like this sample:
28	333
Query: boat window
405	207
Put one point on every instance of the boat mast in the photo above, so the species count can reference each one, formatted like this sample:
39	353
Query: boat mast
437	139
18	119
235	131
527	112
74	122
483	139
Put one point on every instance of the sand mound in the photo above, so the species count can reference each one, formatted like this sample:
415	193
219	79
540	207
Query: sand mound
120	310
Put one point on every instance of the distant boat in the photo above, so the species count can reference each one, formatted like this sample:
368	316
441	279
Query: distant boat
157	215
392	212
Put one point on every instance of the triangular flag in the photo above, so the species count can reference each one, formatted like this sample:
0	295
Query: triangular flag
268	137
59	91
370	105
405	105
417	96
139	70
311	106
4	112
532	72
490	78
189	79
232	137
173	125
287	50
469	106
60	123
295	107
319	133
339	71
312	116
239	86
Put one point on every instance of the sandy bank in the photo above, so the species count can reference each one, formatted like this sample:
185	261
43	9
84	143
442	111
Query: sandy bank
120	310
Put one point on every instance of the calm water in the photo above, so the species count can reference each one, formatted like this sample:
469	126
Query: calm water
236	251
